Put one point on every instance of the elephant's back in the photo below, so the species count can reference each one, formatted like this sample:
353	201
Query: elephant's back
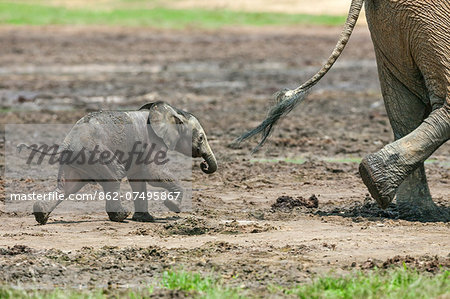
105	118
105	129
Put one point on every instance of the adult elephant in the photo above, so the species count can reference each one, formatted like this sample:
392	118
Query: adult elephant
412	45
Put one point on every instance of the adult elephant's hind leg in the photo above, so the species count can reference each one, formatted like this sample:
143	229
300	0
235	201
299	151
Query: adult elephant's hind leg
398	168
385	172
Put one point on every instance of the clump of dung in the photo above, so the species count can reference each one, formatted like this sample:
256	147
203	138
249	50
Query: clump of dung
288	203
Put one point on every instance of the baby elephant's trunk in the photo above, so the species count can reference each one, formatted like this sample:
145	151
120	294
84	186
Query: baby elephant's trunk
210	164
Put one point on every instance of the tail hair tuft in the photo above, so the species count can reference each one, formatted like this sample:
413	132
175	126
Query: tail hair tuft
285	101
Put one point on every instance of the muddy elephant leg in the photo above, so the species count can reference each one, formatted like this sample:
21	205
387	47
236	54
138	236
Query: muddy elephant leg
141	213
414	200
398	168
114	208
42	209
164	180
384	171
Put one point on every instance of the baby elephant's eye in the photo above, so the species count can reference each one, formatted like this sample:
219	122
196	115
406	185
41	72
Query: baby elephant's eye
200	138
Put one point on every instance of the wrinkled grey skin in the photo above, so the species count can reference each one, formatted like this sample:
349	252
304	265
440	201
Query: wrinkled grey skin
169	128
412	45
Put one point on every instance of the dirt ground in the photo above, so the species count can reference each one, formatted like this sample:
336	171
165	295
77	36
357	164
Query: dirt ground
225	78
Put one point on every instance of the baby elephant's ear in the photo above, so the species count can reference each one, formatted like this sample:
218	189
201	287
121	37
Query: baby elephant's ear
164	121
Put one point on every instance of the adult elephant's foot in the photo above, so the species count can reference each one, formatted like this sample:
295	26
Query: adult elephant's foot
414	201
428	212
40	213
380	177
142	217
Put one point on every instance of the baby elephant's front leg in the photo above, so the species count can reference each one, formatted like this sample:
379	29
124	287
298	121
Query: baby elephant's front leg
173	187
141	213
177	192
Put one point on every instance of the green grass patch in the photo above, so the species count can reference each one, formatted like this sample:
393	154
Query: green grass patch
393	283
430	161
343	160
35	14
399	283
5	110
199	286
187	281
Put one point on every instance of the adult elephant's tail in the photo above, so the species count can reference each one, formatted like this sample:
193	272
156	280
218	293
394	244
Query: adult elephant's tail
288	99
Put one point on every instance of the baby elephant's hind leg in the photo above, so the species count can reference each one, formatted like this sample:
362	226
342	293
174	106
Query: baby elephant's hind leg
73	183
114	208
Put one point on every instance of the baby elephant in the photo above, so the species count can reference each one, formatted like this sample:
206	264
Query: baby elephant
123	138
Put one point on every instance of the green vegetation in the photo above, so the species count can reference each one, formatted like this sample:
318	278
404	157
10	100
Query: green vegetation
39	14
343	160
5	110
393	283
199	286
399	283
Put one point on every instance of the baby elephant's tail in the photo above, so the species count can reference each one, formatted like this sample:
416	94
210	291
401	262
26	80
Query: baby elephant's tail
288	99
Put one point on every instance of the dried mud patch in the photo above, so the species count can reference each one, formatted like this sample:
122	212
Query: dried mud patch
113	267
432	264
15	250
368	210
87	267
199	226
359	211
189	226
287	203
286	208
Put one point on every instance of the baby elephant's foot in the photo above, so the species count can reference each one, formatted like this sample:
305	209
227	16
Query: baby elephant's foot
39	213
142	217
118	216
379	178
172	205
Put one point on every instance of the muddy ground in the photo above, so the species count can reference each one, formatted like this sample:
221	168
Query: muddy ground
56	75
